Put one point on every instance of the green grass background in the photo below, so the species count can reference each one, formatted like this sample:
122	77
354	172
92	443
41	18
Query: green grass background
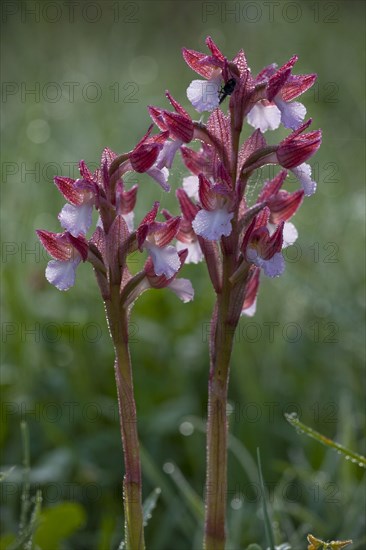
60	379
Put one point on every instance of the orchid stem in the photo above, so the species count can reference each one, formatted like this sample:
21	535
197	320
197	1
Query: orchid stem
132	486
216	475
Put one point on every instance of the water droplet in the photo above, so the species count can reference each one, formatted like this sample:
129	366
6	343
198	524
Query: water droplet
168	468
236	503
186	428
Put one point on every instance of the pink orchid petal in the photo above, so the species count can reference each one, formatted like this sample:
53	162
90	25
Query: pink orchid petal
297	85
164	232
180	126
193	59
296	148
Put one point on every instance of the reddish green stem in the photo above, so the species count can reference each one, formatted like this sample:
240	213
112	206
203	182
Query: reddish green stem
216	473
132	487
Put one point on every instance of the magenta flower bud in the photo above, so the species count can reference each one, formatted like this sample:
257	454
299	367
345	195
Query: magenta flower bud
297	148
284	205
143	157
251	291
278	79
180	127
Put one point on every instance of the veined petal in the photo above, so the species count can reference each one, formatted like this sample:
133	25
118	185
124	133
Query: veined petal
62	274
303	173
213	225
165	259
195	254
264	117
292	114
76	219
204	94
191	185
183	289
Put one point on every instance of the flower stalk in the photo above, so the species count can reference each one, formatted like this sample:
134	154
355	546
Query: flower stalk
222	334
117	318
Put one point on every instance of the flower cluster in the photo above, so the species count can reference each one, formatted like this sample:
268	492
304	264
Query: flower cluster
216	219
114	237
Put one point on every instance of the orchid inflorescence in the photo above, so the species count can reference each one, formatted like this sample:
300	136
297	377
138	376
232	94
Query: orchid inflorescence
219	222
212	198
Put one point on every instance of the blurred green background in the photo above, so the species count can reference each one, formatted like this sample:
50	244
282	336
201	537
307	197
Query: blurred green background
93	68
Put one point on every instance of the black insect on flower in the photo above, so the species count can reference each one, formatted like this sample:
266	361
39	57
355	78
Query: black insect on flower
227	89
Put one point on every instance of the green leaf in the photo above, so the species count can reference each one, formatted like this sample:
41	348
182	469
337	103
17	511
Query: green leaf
58	523
267	521
354	457
150	504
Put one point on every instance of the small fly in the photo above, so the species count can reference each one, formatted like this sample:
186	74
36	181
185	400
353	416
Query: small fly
227	89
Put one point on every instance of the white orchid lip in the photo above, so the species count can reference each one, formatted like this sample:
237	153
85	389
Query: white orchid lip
292	114
76	219
190	185
62	274
264	117
195	254
204	94
303	174
273	267
212	225
165	259
183	289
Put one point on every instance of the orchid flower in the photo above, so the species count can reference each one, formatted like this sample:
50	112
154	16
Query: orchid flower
275	90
